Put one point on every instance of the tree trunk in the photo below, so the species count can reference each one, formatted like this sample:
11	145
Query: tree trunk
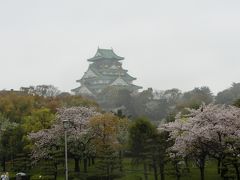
120	161
202	172
77	166
219	166
161	168
237	171
89	161
55	175
155	168
145	171
93	160
201	165
177	170
85	165
186	163
108	173
12	160
4	164
56	170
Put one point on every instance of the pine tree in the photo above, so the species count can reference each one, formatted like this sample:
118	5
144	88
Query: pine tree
108	163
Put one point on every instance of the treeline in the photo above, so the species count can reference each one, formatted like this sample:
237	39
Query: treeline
163	105
201	136
104	140
32	133
94	139
21	114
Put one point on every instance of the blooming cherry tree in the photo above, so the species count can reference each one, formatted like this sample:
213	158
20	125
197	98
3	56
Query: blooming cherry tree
47	140
206	131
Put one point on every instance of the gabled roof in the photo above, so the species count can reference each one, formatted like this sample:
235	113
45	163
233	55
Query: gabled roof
128	77
135	87
92	71
119	81
89	74
83	90
105	54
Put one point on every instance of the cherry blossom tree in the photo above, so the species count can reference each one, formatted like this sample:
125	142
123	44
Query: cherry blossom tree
206	131
47	141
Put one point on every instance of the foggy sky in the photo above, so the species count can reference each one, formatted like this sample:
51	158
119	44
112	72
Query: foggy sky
166	43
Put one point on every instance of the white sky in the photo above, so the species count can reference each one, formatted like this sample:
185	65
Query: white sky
166	43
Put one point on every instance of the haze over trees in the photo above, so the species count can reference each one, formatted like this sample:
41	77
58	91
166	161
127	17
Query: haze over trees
101	143
229	95
156	105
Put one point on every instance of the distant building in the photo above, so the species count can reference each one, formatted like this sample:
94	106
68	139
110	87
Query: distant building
104	71
12	91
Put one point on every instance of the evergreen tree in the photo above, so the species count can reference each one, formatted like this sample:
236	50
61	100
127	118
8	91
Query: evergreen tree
108	163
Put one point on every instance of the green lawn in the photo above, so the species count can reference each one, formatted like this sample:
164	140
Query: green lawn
133	172
136	173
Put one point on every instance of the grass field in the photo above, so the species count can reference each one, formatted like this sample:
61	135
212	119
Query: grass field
131	172
134	173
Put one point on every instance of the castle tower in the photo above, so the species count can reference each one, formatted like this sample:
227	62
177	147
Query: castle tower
105	70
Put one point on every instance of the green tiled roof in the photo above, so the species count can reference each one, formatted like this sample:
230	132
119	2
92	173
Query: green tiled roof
129	77
107	68
105	54
136	87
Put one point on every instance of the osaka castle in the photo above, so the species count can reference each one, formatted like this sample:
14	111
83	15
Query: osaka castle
105	70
